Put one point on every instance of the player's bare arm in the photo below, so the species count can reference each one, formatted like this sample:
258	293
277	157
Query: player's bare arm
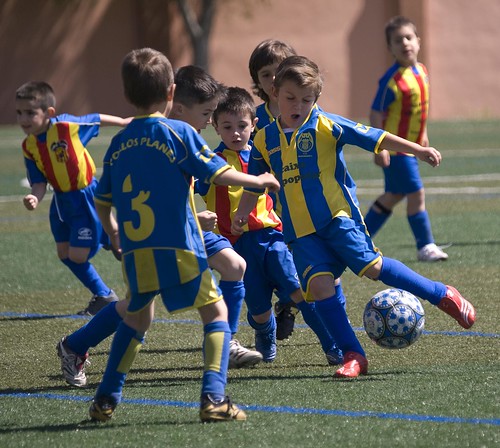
247	203
112	120
428	154
233	177
32	200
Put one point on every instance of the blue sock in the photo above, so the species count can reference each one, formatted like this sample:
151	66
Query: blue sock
86	273
102	325
265	328
313	319
126	344
421	227
396	274
339	292
234	294
335	319
374	221
216	359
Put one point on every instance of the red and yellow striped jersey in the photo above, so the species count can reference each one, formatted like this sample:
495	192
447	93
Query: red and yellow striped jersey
59	156
224	200
403	96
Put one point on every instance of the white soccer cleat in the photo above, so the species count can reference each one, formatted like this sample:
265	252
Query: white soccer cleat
72	365
240	356
431	252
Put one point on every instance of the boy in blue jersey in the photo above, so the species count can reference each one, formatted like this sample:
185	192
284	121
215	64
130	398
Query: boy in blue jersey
322	221
401	106
196	97
262	65
269	262
148	176
55	152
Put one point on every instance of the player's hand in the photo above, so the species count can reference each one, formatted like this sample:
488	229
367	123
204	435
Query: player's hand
237	224
207	219
269	182
30	201
382	159
430	155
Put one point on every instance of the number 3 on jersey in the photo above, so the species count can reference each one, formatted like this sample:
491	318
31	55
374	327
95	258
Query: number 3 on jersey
146	215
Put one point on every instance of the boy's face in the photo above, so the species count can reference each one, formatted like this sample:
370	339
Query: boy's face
199	115
266	77
235	129
405	45
31	117
295	103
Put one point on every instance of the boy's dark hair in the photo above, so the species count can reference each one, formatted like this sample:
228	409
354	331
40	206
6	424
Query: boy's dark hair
236	100
268	52
38	91
147	75
193	85
300	70
396	23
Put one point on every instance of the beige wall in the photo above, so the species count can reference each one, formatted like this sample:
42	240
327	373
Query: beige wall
78	45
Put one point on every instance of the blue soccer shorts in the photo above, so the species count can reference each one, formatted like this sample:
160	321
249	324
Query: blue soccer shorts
342	243
269	266
214	243
402	176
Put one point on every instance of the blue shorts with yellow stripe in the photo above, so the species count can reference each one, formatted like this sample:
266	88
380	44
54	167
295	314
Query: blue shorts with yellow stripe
342	243
196	293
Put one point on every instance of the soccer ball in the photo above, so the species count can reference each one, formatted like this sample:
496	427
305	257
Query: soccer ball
394	319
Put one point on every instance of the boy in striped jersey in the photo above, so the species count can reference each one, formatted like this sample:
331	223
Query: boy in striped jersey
55	153
322	222
401	107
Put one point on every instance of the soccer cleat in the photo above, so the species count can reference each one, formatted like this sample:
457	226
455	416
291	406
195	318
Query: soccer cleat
97	303
431	252
265	343
355	364
240	356
224	411
72	364
101	409
334	356
285	319
457	307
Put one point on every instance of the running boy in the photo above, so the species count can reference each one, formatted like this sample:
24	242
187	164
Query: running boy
269	262
147	174
55	153
322	221
401	107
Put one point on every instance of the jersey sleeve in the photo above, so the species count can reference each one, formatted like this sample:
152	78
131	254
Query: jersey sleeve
89	125
385	95
358	134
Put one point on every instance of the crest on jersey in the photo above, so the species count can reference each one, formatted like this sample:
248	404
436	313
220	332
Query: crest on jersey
60	150
305	142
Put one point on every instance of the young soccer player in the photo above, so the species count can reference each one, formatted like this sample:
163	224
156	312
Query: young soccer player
196	97
401	107
262	65
322	221
269	262
55	153
148	175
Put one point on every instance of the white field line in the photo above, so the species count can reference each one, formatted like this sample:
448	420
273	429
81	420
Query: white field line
374	186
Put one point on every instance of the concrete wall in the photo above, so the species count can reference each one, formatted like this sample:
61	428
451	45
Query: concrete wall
78	45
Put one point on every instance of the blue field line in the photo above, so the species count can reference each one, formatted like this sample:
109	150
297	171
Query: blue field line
197	322
278	409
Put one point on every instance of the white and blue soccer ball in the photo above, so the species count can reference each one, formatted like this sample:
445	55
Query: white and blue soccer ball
394	319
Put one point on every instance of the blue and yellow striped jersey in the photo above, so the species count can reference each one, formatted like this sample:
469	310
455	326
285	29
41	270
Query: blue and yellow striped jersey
403	96
147	176
315	183
264	116
59	156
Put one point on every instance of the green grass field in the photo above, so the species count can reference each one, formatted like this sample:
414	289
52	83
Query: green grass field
442	392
